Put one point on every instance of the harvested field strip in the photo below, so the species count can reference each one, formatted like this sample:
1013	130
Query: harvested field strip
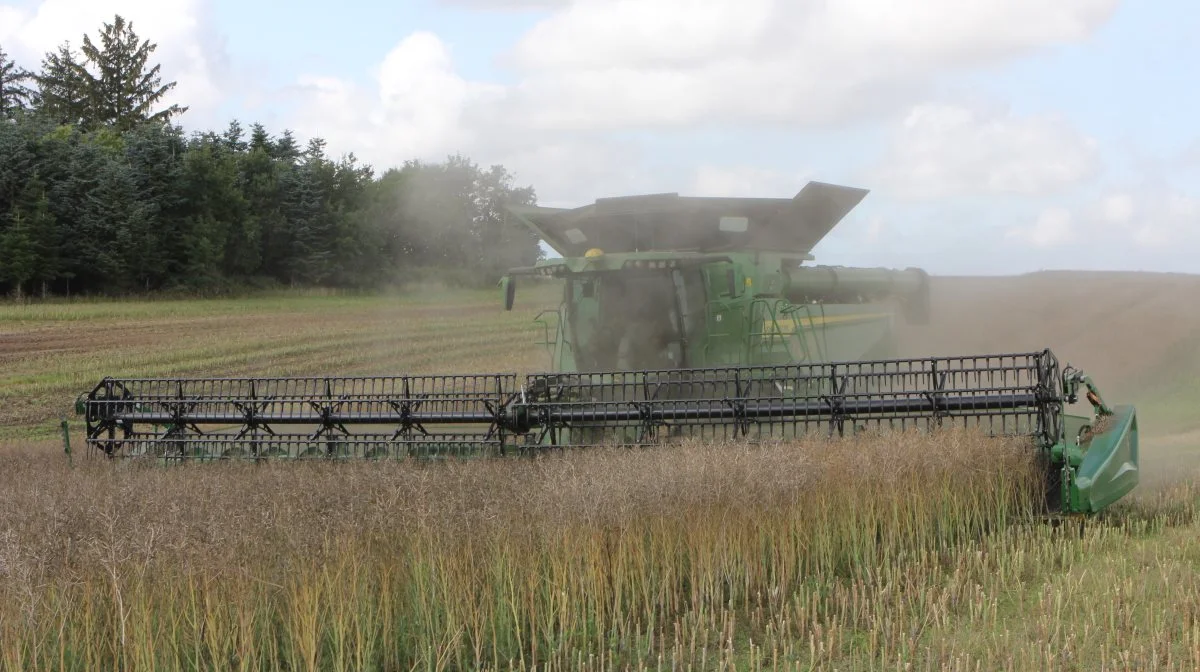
252	356
291	301
255	335
204	353
43	366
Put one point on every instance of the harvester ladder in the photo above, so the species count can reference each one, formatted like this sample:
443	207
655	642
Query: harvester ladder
765	341
548	342
812	324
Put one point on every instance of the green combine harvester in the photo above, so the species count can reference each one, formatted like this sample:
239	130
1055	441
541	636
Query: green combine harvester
681	318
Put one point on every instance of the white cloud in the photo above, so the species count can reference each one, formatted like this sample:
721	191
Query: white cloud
1151	217
187	46
746	181
604	34
943	150
1189	158
876	228
941	31
504	4
1054	227
416	109
11	20
617	63
1117	209
595	67
1136	220
570	171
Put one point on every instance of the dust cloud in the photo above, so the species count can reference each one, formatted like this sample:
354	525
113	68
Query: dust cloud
1136	334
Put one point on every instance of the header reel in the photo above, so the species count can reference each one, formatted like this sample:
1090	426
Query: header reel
1091	463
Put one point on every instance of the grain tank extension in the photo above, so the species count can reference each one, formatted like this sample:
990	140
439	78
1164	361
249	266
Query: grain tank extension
680	318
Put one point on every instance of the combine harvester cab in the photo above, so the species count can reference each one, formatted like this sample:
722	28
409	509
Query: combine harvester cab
664	281
680	318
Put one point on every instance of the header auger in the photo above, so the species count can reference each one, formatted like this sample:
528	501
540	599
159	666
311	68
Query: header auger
681	318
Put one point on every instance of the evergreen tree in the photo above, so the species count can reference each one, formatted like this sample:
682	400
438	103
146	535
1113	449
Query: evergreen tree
63	87
44	235
14	95
216	215
19	261
101	193
259	138
124	91
233	137
154	154
113	222
286	149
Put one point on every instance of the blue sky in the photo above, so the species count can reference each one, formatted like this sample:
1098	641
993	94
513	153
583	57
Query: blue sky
997	136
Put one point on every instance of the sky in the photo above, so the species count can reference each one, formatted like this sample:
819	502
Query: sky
996	136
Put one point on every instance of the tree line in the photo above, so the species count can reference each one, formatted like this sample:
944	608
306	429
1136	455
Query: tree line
102	192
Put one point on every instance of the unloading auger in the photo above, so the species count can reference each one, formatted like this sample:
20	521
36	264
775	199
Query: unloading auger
681	318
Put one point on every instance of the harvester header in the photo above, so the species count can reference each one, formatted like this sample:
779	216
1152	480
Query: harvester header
680	317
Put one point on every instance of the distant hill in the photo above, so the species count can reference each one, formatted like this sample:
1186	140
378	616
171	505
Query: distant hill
1138	334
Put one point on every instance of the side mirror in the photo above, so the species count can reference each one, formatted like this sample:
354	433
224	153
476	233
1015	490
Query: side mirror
510	291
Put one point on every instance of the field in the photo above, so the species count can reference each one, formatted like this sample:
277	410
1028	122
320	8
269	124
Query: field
890	553
1138	334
